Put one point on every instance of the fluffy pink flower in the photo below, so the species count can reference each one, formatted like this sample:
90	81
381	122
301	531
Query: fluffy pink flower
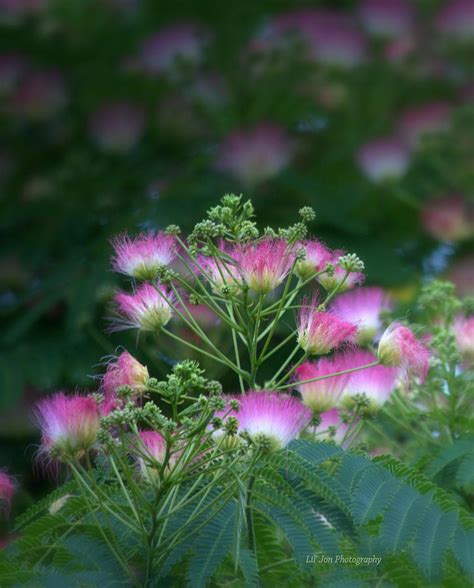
272	416
69	424
125	371
221	273
147	309
7	490
321	332
383	159
464	333
163	52
255	155
316	257
329	36
377	383
323	394
330	281
331	418
449	218
456	19
362	307
153	445
399	347
117	127
387	18
40	95
142	257
265	264
419	121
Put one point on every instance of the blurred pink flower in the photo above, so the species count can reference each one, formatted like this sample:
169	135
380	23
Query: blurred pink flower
383	159
455	19
387	18
417	122
255	155
165	50
12	66
118	126
448	218
462	275
331	418
7	490
464	333
124	370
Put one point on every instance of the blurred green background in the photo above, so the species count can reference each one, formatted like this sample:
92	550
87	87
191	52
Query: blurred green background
131	114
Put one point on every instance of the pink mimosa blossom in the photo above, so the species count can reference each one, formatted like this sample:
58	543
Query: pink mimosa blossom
117	127
363	307
455	19
377	383
266	264
384	159
171	46
449	218
321	332
399	347
324	394
125	370
316	257
255	155
464	333
272	416
142	257
420	121
68	424
147	309
388	19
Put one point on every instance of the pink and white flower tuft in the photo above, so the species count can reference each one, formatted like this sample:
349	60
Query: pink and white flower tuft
316	257
377	382
449	218
7	490
147	309
255	155
321	395
68	424
399	347
125	371
153	446
272	417
142	257
455	19
389	19
321	332
265	265
384	159
363	307
464	333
